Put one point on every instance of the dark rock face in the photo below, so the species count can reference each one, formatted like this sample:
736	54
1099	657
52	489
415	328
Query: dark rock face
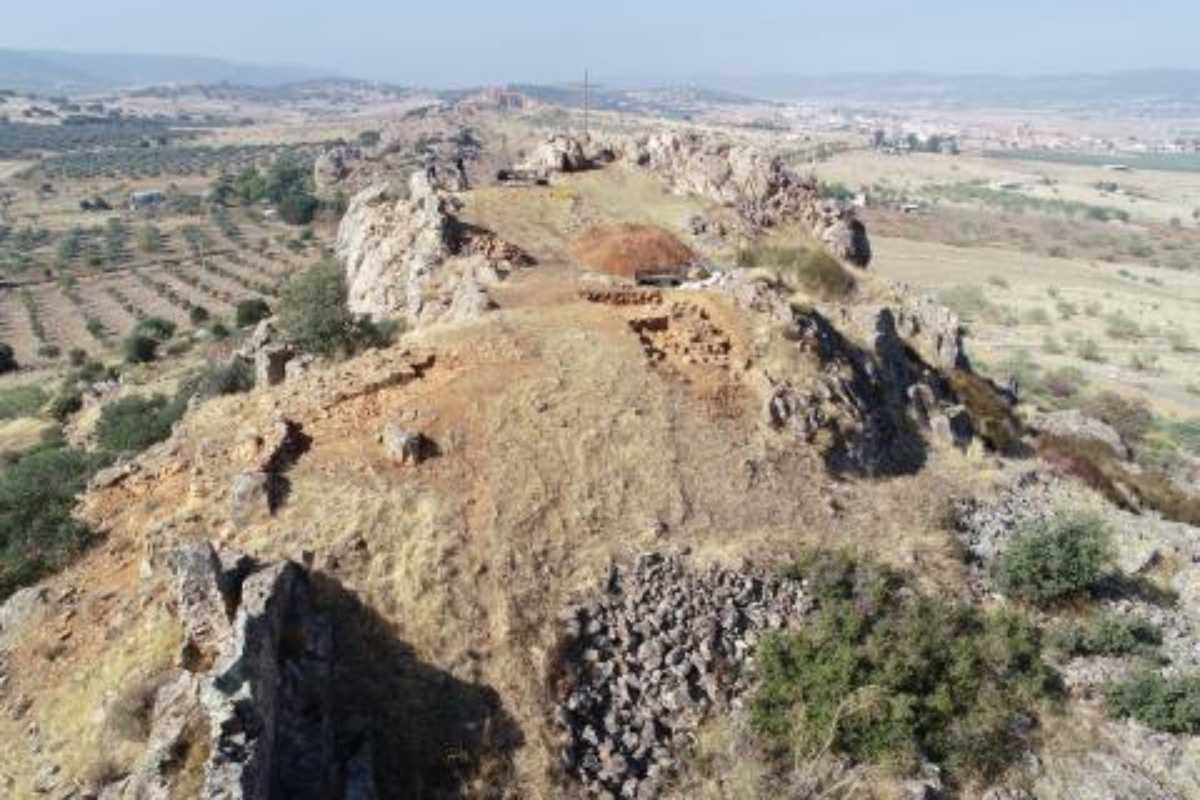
646	661
255	683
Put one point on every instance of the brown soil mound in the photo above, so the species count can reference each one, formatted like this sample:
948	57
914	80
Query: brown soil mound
627	249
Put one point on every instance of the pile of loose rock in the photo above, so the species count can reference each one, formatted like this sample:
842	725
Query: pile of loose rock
659	649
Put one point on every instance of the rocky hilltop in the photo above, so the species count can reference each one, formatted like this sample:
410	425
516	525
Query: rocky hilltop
533	547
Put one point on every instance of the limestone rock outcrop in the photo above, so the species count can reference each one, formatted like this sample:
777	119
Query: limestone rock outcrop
253	688
756	183
411	257
558	153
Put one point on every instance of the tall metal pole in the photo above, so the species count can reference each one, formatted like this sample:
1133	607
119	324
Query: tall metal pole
586	103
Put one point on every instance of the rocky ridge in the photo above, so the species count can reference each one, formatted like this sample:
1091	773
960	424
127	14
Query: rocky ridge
756	183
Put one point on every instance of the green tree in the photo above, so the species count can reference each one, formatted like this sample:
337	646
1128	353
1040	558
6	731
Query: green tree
251	312
8	358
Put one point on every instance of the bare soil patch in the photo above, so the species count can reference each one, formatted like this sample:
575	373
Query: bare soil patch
626	249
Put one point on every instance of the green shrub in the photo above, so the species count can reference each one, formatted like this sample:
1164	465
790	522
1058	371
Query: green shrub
49	351
251	312
1088	350
1067	310
298	209
884	675
1052	560
1052	346
1037	316
22	401
65	404
1109	635
1119	326
313	313
8	358
198	315
815	270
156	328
1063	383
140	349
233	377
1186	433
1143	362
38	534
999	282
1180	341
1171	705
219	330
971	303
77	356
132	424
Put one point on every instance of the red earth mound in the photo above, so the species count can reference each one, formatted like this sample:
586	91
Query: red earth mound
627	249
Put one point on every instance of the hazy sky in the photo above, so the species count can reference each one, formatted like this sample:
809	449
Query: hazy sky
468	42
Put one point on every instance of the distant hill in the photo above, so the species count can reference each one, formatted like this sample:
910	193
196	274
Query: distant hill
1158	87
57	71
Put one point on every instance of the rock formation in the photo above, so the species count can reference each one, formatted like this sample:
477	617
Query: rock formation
558	153
411	257
253	686
757	184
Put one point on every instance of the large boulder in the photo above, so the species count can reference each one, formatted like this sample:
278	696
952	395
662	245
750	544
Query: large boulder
410	257
558	153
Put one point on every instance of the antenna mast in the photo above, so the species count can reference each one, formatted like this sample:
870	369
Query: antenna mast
586	103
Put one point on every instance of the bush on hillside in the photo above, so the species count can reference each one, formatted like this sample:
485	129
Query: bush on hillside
38	534
1063	383
233	377
198	315
22	401
65	404
298	209
1130	417
140	349
313	314
8	358
155	328
132	424
251	312
814	269
884	675
1053	560
1171	705
1109	635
